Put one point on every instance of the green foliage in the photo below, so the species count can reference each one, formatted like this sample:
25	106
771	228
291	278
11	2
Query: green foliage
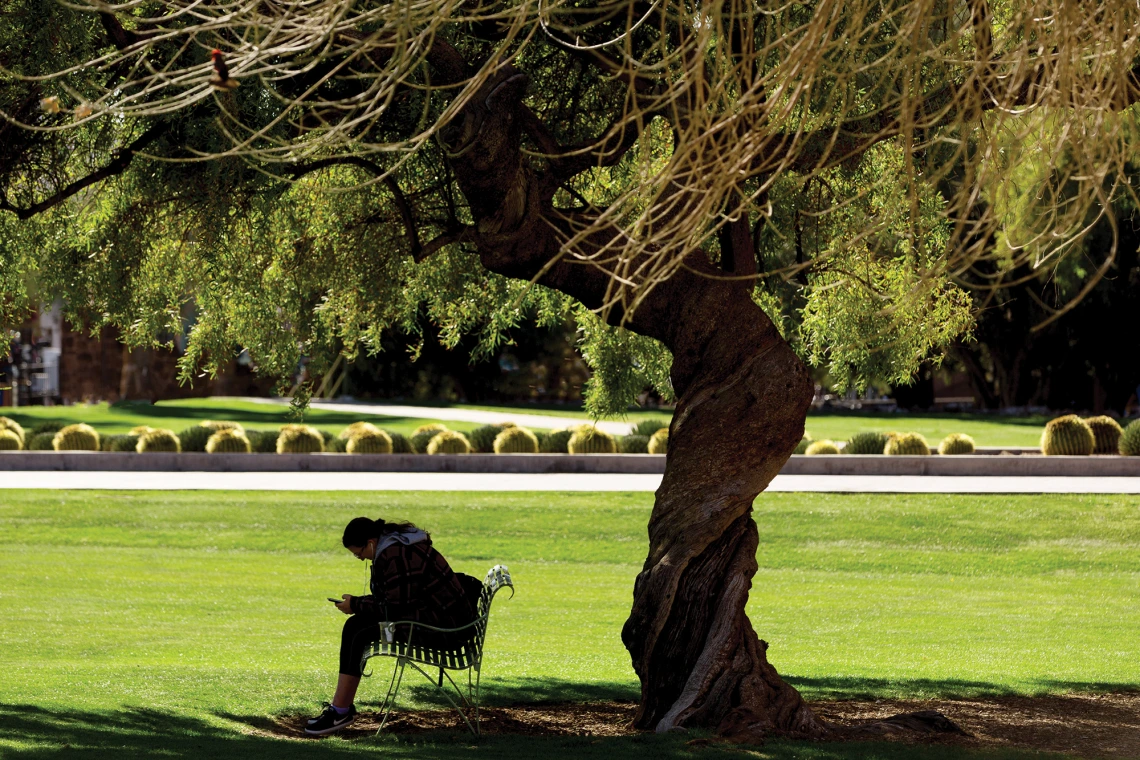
633	444
1106	434
802	446
422	436
128	442
400	443
1129	445
483	437
821	448
78	437
515	440
336	445
228	441
357	427
41	441
866	443
158	440
262	441
658	442
956	443
9	441
624	364
589	440
14	427
49	426
556	442
194	438
907	445
374	441
650	426
300	439
1067	435
448	442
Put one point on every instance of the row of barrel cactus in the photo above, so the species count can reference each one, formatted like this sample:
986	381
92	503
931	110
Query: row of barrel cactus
1070	435
889	444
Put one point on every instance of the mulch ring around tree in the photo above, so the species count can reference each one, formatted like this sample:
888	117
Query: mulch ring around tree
1091	725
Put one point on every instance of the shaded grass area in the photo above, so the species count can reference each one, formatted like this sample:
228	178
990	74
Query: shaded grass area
139	620
987	430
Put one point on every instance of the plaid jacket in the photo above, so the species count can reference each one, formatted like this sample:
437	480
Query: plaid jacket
414	582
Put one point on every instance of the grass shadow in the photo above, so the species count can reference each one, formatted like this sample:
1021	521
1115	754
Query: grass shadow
847	687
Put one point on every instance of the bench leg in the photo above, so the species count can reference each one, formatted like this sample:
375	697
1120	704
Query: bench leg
393	690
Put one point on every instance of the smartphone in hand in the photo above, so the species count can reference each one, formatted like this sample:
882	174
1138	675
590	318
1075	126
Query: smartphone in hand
334	601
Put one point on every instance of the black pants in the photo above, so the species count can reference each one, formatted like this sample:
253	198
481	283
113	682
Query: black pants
359	632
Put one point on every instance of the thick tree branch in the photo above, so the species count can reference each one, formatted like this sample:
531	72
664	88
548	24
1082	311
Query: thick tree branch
122	159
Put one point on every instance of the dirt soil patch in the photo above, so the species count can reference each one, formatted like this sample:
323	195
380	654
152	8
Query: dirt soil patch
1089	725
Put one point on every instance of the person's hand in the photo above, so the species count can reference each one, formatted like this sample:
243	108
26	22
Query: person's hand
346	605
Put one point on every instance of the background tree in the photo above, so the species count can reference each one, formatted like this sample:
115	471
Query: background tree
688	173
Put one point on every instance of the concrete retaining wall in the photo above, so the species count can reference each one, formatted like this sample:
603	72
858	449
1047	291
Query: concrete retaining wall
984	465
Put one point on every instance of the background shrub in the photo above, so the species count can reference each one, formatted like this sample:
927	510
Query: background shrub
228	441
866	443
449	442
41	441
589	440
400	443
127	442
907	445
650	426
78	437
1067	436
48	426
1129	445
13	427
515	440
1106	434
556	442
658	442
483	437
300	439
374	441
9	441
801	447
261	441
336	445
956	443
422	436
633	443
821	448
194	438
158	440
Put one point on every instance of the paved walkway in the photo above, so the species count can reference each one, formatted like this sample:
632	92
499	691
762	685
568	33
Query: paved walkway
539	421
455	481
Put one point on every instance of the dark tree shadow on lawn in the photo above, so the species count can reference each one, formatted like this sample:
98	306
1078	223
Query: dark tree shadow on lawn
39	732
846	687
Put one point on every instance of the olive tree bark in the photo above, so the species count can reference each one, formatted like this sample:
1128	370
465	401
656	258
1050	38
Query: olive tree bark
743	396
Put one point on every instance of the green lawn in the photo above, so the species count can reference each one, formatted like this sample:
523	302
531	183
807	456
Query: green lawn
987	430
165	623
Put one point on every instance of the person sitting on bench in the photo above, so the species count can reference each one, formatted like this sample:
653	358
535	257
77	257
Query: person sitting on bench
410	581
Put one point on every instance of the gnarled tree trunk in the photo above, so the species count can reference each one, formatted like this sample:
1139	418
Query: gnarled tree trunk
743	397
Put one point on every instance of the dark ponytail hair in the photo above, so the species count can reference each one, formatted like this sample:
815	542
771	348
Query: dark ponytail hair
360	529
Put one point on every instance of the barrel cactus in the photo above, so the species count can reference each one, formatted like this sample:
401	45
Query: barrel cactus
556	442
215	425
483	437
956	443
650	426
1129	445
634	444
228	441
48	426
449	442
400	443
802	446
121	443
41	441
866	443
261	441
374	441
1067	436
658	442
1106	434
300	439
821	448
907	445
590	440
158	441
194	438
9	441
515	440
14	428
79	437
357	427
422	436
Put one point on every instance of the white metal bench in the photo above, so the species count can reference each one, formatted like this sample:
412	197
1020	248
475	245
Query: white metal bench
466	657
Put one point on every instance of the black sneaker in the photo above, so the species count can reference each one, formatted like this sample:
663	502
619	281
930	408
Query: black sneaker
330	721
324	706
